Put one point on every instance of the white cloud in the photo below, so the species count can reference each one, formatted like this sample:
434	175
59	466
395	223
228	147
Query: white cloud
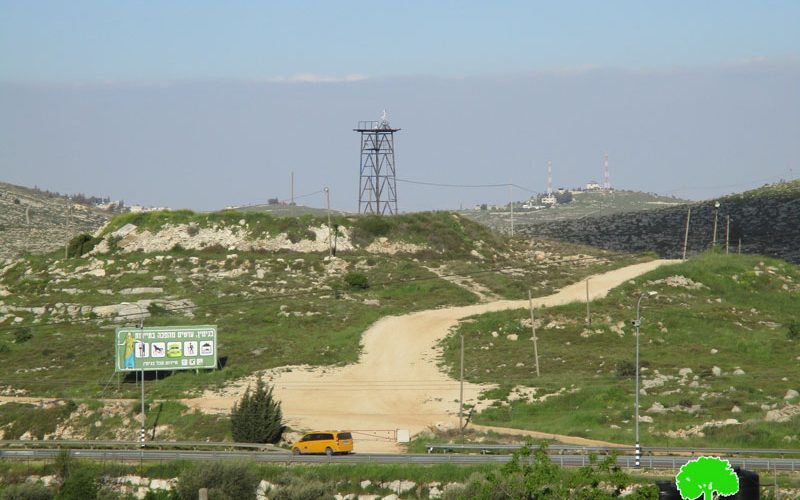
316	78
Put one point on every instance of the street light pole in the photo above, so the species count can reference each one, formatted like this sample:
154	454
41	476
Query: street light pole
637	323
141	365
716	211
461	393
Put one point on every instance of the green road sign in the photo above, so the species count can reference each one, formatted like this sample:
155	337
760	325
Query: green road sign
166	348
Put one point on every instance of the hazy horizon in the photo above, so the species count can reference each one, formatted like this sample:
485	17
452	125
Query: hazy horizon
204	105
694	133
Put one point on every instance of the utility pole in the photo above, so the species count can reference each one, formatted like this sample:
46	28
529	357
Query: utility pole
461	397
66	243
727	233
291	200
588	306
740	246
533	329
330	232
511	196
686	235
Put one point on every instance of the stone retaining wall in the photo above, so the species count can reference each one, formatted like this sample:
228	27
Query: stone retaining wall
767	226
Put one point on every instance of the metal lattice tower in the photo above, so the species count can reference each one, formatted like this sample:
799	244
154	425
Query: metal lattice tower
377	192
606	178
549	178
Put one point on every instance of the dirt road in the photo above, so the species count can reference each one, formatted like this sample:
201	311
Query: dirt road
396	384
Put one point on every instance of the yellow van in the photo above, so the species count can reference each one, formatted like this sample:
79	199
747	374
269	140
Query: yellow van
327	442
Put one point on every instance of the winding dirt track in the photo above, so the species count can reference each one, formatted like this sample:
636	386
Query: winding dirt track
396	383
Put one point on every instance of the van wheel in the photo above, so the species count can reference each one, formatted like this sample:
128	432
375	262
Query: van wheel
328	452
295	451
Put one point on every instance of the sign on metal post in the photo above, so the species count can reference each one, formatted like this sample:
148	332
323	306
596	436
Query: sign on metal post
166	348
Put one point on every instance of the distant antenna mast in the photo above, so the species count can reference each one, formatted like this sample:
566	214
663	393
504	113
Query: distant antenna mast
377	193
606	178
549	178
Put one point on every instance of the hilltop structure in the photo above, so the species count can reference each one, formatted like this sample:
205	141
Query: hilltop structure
377	192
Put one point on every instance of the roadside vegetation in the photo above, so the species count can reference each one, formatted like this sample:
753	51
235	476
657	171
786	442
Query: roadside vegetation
720	359
530	473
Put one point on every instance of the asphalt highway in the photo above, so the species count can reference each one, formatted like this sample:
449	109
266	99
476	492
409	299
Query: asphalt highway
565	460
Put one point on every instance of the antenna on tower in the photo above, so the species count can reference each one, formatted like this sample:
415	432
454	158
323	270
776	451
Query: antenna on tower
606	178
549	199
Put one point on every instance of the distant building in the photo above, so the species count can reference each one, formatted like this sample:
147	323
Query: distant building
593	186
140	208
549	200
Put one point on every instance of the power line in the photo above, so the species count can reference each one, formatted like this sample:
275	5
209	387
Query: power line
437	184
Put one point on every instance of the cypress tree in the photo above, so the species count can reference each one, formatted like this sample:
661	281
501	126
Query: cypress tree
257	417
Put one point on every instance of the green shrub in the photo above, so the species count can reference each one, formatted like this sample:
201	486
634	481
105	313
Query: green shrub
257	417
4	348
79	485
374	225
81	244
626	368
225	481
163	495
22	335
26	491
63	464
356	280
794	331
113	242
300	488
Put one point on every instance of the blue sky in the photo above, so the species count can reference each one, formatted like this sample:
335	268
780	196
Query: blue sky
91	41
208	104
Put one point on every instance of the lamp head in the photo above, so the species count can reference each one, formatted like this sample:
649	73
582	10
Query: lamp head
716	204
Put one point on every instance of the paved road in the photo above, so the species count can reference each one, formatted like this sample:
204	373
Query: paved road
626	461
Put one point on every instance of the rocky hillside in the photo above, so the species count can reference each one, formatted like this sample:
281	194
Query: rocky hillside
269	284
765	219
720	361
38	222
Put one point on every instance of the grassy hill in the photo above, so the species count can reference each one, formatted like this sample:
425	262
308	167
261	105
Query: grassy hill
268	284
720	353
